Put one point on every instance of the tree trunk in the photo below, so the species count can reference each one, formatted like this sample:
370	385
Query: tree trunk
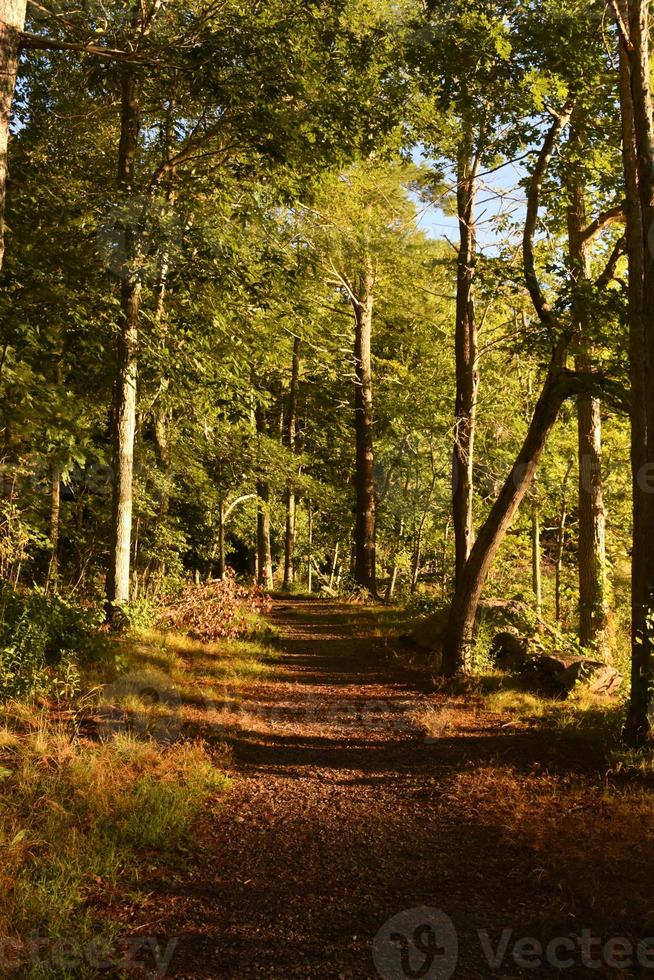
55	514
536	575
638	152
221	539
459	633
291	432
310	549
366	521
593	606
55	500
332	575
392	581
416	560
12	22
560	541
124	412
466	350
264	553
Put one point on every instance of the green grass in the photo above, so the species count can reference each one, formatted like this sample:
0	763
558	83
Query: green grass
88	786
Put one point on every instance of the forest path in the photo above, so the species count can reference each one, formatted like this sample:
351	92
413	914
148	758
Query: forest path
343	814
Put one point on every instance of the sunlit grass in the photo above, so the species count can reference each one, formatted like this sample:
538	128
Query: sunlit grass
128	767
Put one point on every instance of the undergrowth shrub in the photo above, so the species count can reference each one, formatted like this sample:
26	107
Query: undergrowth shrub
43	639
216	610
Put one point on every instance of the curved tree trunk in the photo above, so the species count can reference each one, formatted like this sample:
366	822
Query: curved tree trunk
459	633
12	22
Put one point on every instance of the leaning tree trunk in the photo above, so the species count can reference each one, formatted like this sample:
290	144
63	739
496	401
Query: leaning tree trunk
638	151
366	518
459	633
12	22
291	431
124	409
591	558
466	350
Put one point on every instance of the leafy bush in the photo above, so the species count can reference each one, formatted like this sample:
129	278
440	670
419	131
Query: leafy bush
424	604
216	610
43	638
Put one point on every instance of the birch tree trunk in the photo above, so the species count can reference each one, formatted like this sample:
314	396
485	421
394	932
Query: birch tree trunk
12	22
124	410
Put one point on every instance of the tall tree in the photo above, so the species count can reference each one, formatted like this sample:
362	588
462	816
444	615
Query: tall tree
361	291
633	19
12	22
291	433
593	604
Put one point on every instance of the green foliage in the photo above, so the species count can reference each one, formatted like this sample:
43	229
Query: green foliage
43	639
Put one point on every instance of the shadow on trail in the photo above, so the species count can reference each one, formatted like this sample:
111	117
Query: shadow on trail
343	815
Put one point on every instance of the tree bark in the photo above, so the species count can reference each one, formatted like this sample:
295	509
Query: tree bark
458	637
392	581
591	558
366	520
124	410
55	515
310	549
463	613
291	432
536	574
12	22
638	153
466	350
221	539
264	553
560	541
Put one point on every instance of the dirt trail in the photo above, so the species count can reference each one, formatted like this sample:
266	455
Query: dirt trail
344	815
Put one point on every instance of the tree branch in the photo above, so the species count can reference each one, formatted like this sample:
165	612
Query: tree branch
533	202
604	219
619	250
622	26
40	43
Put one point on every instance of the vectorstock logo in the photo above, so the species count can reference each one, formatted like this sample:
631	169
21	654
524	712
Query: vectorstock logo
422	944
